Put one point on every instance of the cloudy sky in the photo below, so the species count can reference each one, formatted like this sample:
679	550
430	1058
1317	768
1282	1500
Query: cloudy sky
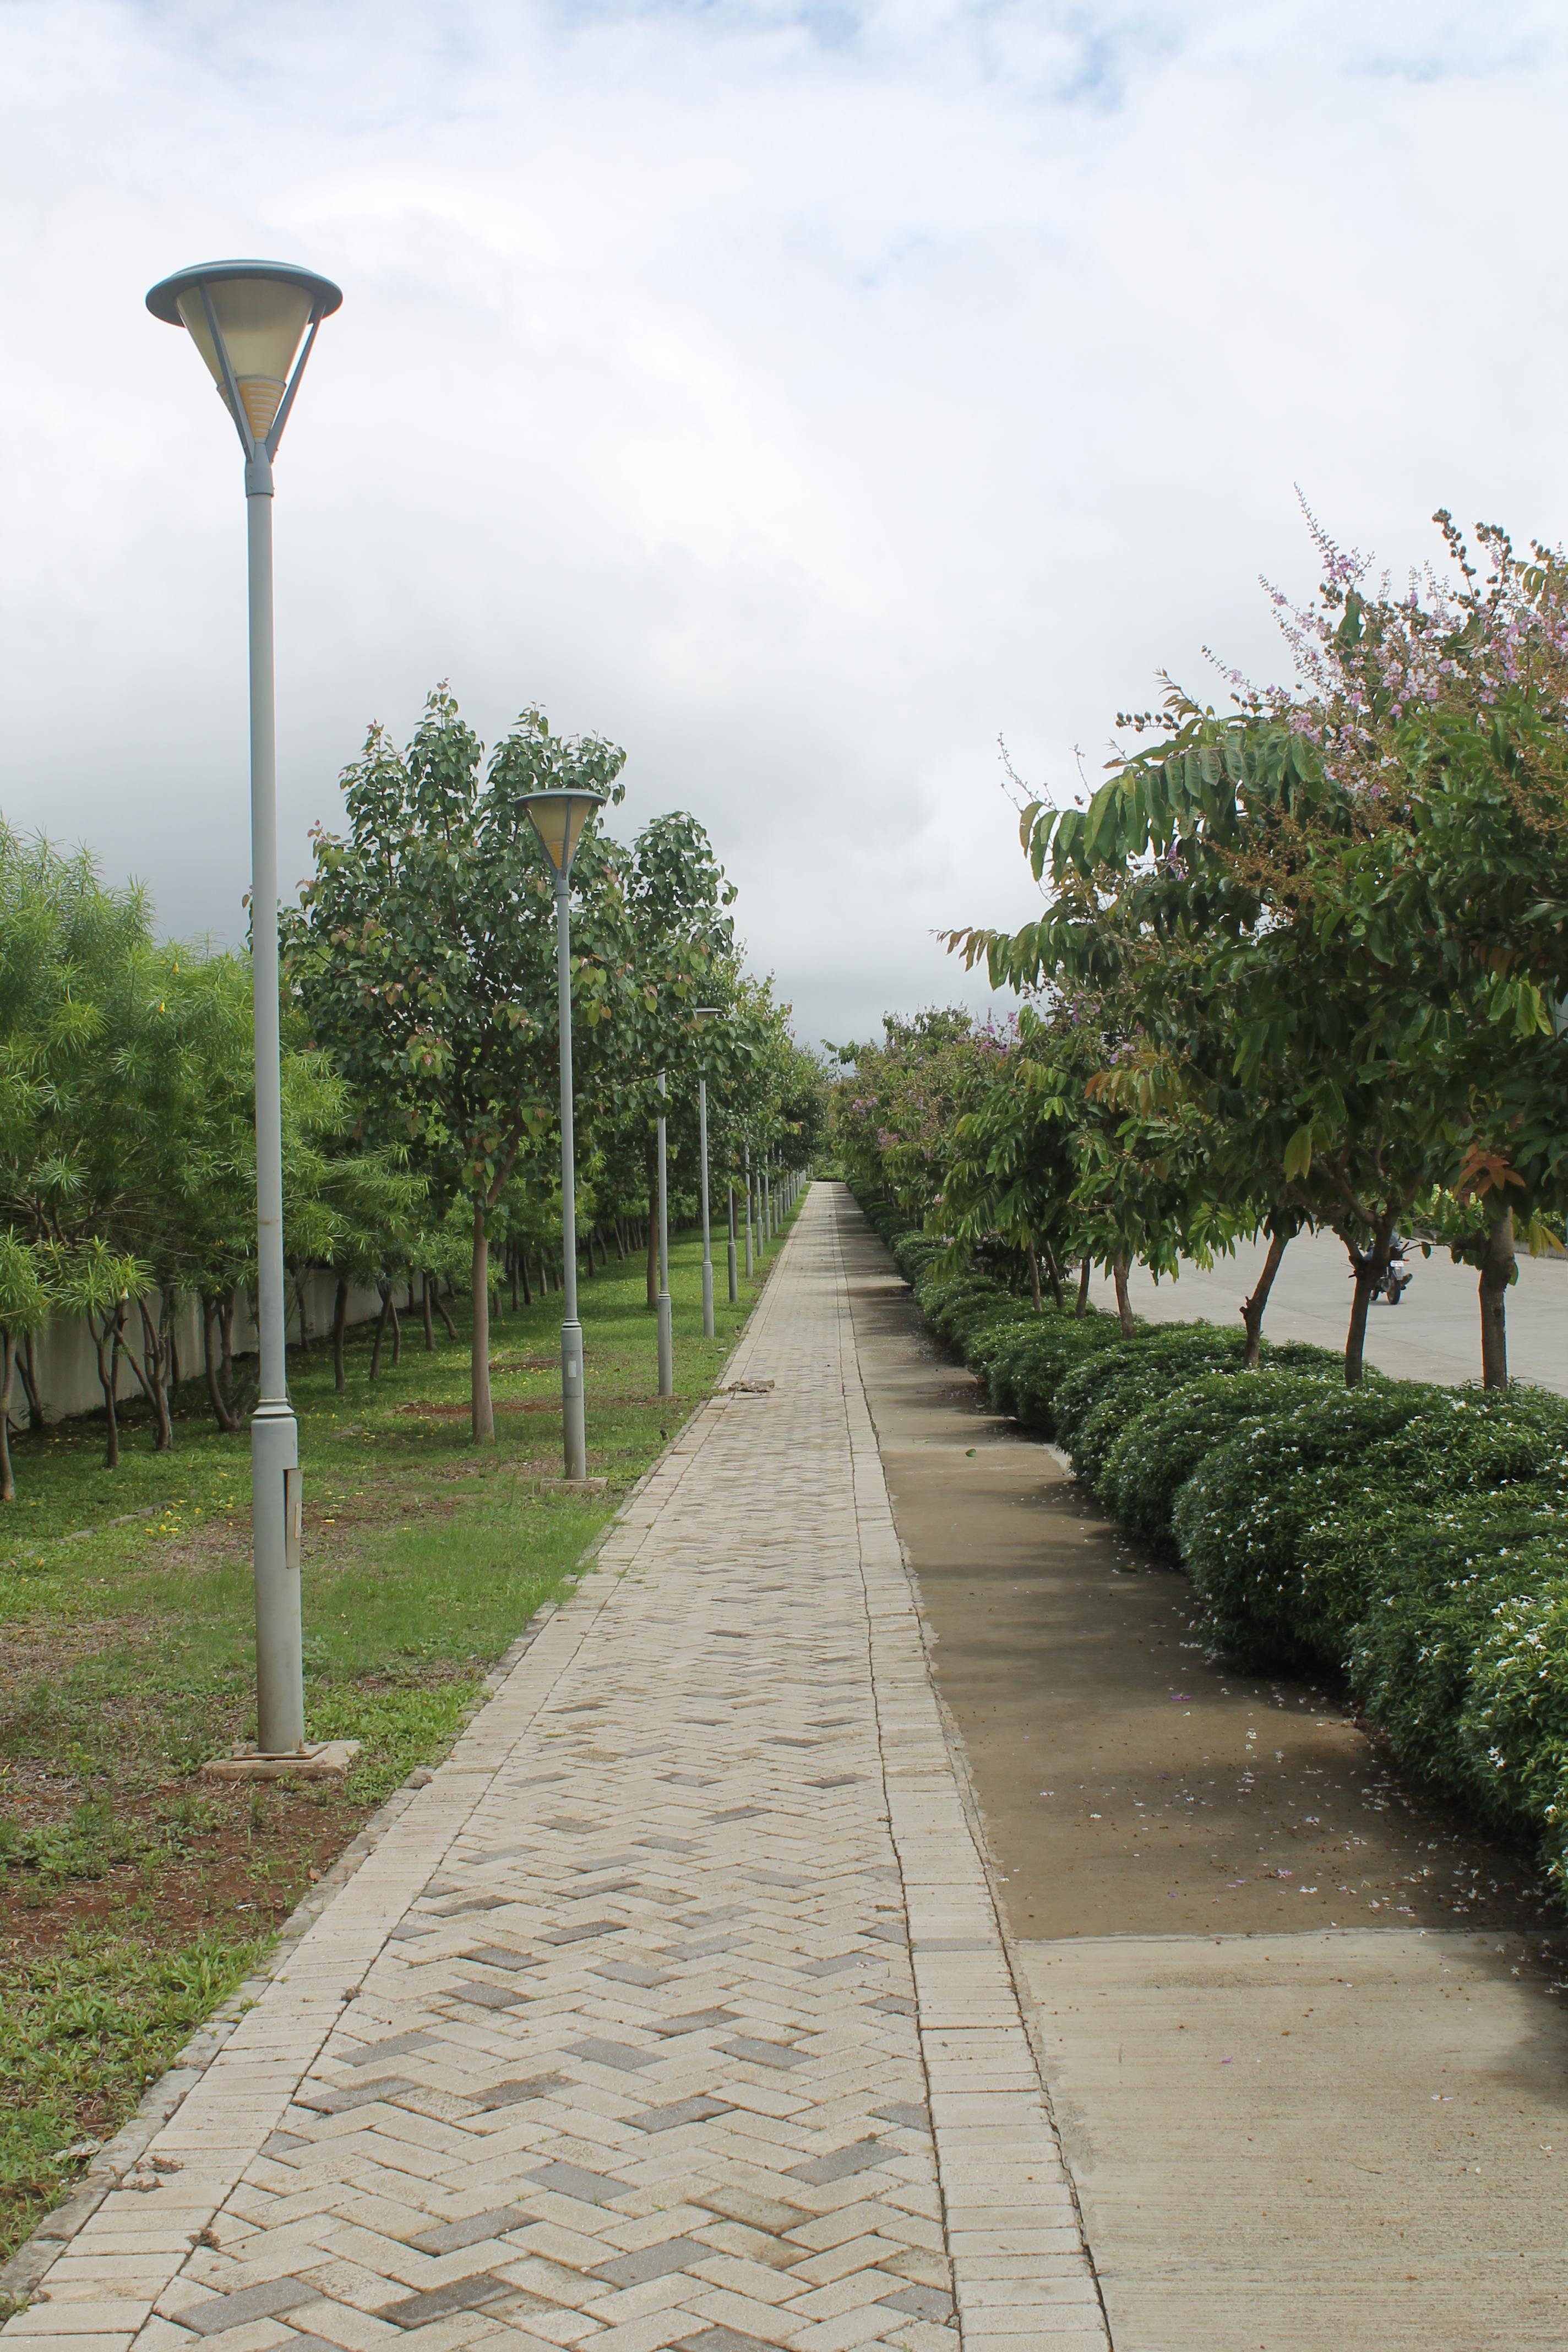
805	394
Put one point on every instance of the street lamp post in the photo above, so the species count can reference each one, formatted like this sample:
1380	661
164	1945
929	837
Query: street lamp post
665	1320
248	320
734	1285
702	1012
559	819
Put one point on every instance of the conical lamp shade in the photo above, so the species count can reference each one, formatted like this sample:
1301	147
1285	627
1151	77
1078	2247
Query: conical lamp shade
262	322
559	819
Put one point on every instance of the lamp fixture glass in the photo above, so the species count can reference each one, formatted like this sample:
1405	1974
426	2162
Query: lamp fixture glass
559	819
262	310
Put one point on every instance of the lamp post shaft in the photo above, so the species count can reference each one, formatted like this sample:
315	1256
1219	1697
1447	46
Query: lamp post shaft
274	1433
666	1316
734	1285
706	1235
575	1440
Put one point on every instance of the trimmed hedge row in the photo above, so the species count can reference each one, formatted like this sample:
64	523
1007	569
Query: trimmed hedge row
1413	1538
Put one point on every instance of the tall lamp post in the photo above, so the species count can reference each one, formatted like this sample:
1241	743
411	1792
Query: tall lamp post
702	1012
734	1285
666	1314
559	819
248	320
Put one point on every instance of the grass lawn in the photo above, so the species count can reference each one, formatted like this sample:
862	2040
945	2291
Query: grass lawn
134	1896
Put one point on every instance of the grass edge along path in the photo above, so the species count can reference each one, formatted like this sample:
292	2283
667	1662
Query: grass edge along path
134	1903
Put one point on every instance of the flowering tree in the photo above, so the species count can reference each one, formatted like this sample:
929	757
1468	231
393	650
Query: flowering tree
1327	910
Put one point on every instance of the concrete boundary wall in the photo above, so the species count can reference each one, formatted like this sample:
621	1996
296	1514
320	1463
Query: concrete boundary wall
67	1362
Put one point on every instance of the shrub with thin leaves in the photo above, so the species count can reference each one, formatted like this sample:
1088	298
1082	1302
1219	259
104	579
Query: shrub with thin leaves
1034	1371
914	1252
1437	1576
1097	1400
1513	1730
1240	1517
1159	1448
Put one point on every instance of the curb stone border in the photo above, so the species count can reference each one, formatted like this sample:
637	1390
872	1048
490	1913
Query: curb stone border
115	2164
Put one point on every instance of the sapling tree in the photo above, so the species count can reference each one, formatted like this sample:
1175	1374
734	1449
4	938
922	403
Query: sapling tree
423	954
23	1309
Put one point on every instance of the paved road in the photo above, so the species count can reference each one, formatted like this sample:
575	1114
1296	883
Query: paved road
1303	2030
1434	1334
674	2012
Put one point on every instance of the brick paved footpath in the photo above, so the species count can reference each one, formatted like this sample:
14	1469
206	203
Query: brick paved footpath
673	2011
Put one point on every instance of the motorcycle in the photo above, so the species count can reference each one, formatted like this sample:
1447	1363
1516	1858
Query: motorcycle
1398	1276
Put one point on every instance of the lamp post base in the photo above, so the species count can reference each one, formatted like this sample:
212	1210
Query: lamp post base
665	1346
315	1760
276	1506
574	1438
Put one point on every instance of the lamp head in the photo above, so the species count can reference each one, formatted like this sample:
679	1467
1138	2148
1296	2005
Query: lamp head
247	318
559	819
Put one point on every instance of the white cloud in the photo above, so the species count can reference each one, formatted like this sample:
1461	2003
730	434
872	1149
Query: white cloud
804	394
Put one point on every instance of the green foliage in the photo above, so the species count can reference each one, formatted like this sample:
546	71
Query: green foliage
1097	1400
1449	1582
1026	1376
96	2021
1242	1517
1160	1446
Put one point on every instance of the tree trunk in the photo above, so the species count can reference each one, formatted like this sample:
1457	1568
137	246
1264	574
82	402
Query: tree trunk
619	1230
225	1353
1123	1304
512	1254
441	1309
1252	1313
1369	1267
429	1320
1053	1275
396	1329
484	1420
1033	1277
1085	1270
224	1413
153	1376
7	1364
171	1304
381	1322
523	1277
108	1340
1497	1273
28	1365
339	1330
588	1252
299	1274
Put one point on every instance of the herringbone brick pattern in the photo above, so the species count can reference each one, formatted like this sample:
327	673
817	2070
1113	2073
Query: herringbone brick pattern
674	2012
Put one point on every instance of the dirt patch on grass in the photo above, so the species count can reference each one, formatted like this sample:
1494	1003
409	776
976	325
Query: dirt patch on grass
239	1868
428	1410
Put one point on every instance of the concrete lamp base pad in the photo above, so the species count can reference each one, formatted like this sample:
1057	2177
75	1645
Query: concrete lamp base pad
319	1760
573	1485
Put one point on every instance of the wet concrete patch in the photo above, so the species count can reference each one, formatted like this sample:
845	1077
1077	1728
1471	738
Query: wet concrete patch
1287	2005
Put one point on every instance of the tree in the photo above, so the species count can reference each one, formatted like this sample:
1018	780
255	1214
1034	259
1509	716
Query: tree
423	954
1329	1044
24	1309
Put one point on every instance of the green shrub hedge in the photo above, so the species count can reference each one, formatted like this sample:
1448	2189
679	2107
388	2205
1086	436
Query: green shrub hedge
1414	1537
